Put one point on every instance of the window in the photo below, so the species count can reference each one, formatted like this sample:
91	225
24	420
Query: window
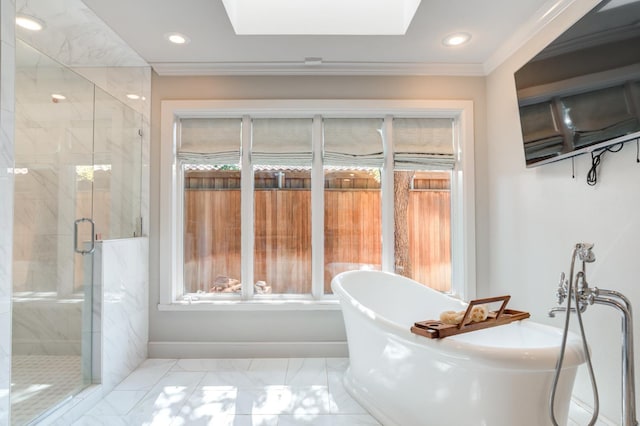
422	199
353	160
268	201
209	157
281	155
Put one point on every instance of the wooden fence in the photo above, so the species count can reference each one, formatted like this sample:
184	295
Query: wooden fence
282	254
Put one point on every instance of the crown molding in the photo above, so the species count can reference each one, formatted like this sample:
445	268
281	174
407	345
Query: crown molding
548	12
322	69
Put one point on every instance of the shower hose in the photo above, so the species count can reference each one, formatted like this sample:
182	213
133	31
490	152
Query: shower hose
594	387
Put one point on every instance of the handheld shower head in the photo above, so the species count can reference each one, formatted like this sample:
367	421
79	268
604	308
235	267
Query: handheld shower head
585	252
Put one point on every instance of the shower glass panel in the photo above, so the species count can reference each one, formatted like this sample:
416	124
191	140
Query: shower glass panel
77	162
53	185
117	168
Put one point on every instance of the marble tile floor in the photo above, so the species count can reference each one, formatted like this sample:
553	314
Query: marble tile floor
296	391
238	392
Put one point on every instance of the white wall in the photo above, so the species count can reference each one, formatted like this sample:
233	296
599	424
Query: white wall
537	215
292	333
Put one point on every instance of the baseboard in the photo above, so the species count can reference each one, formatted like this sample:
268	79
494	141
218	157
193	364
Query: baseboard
248	349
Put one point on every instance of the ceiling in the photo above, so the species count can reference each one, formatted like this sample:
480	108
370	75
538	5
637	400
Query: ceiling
214	48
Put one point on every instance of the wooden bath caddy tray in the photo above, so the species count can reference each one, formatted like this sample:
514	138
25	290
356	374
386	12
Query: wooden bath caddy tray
435	329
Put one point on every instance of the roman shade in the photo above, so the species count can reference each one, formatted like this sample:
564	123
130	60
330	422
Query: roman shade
353	142
282	142
423	143
210	140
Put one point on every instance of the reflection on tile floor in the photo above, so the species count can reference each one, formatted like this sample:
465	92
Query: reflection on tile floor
235	392
238	392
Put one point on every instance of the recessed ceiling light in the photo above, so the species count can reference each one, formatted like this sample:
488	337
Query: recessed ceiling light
456	39
177	38
133	96
58	96
29	23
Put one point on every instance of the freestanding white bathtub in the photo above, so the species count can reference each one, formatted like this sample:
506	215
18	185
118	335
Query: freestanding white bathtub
496	376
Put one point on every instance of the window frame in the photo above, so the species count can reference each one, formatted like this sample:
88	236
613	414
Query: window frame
463	259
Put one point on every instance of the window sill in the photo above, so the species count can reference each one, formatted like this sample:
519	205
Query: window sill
261	305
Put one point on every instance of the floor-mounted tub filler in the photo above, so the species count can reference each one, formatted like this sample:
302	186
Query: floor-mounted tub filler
576	289
500	376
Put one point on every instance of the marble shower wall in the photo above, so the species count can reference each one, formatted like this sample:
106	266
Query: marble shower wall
76	157
83	156
75	37
117	172
121	309
121	83
7	111
53	163
47	325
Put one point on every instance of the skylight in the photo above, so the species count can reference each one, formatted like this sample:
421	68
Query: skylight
321	17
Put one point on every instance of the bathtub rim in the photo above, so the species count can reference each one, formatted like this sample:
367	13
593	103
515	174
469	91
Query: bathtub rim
535	358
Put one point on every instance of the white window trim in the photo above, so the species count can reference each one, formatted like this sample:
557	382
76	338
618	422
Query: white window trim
462	184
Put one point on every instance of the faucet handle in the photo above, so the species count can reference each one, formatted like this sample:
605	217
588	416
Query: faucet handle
561	293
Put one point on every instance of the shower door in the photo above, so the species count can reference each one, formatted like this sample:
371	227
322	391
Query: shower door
53	235
78	169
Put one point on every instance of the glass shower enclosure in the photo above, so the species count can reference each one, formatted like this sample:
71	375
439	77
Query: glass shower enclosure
77	180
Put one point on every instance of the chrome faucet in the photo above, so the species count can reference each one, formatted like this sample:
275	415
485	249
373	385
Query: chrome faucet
562	293
552	311
584	296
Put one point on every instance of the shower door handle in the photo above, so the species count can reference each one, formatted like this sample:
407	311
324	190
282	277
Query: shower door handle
75	236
